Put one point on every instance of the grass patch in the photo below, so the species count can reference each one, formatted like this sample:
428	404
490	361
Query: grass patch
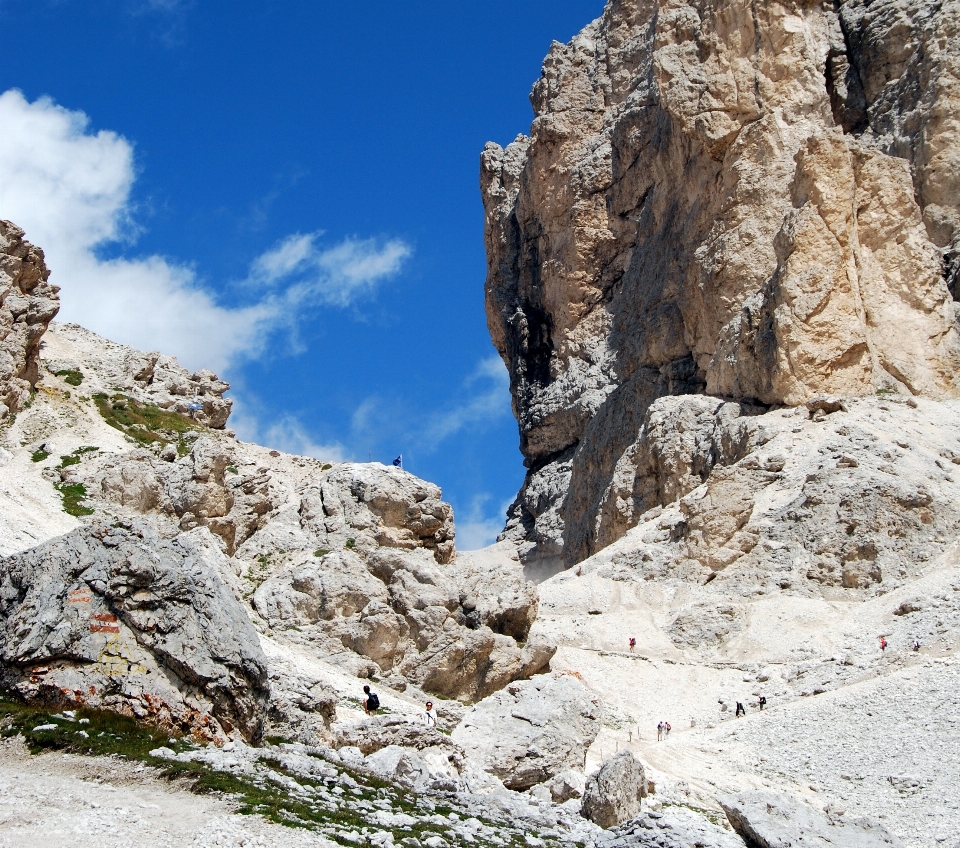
351	544
232	469
71	376
146	424
72	494
320	552
39	455
67	461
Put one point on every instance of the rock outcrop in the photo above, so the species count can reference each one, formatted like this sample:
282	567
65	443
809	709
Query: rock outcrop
531	731
120	618
613	794
753	203
773	820
28	303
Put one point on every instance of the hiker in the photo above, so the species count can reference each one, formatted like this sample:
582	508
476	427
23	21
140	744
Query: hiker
883	644
763	701
660	732
666	730
430	715
916	646
633	643
371	703
741	710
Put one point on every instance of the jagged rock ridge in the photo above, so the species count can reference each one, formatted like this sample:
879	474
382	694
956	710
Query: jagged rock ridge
757	202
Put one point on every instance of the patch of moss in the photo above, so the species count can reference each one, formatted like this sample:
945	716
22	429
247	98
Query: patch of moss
351	544
72	494
146	424
72	376
39	456
67	461
320	552
231	469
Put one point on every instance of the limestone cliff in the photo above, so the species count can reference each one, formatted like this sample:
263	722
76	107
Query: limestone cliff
27	305
755	201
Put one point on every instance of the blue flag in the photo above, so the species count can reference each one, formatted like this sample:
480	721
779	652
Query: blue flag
398	462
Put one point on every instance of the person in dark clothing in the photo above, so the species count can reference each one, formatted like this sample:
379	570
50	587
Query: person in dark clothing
763	701
741	710
371	703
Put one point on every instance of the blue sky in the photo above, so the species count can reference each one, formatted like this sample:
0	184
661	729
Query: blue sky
286	192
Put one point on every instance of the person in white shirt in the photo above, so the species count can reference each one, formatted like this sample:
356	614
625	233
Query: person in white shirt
430	715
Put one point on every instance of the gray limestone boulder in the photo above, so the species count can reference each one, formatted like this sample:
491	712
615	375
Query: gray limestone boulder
773	820
613	793
671	827
119	618
531	731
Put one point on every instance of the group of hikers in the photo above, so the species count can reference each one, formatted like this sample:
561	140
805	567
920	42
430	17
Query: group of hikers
371	706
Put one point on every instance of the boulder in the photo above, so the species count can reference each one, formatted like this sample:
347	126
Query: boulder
613	793
774	820
671	827
494	591
531	731
120	618
566	785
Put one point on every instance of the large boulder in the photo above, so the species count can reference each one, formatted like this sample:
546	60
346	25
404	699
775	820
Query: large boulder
532	730
405	612
774	820
614	792
495	592
28	304
671	827
120	618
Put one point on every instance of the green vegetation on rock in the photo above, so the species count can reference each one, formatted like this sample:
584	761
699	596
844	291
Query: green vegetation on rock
73	494
145	423
72	376
39	455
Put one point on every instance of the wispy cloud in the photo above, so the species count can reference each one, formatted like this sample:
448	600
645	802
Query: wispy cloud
484	397
337	275
477	529
287	434
69	188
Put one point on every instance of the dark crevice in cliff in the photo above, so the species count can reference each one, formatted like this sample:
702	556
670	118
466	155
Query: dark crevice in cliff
844	85
951	272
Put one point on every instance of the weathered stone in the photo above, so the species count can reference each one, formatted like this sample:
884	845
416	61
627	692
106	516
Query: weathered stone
613	794
120	618
532	730
773	820
752	203
28	304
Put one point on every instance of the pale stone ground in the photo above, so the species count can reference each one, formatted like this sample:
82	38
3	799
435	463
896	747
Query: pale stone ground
59	800
874	734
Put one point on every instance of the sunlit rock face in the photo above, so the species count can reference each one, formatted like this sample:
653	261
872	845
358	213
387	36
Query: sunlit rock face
757	202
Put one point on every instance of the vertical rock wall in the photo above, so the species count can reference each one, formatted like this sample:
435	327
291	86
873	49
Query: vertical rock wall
28	304
757	201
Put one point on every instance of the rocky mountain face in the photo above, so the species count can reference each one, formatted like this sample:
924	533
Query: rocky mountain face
157	566
757	202
27	304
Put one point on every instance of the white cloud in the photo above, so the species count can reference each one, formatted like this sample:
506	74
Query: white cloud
336	275
475	530
486	397
286	434
69	188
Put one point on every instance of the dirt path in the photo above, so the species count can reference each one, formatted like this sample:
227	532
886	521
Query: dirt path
58	800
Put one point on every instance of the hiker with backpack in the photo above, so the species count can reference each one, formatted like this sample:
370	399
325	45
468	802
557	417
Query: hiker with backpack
666	730
371	703
430	716
741	710
660	732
